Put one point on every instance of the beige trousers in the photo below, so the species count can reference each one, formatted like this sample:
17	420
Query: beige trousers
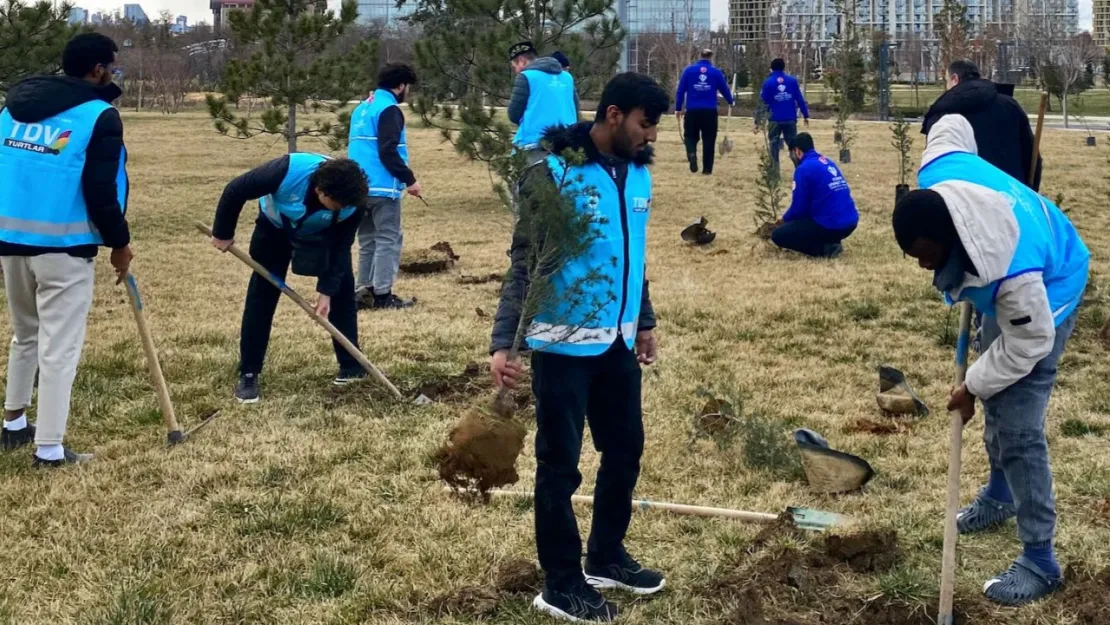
48	302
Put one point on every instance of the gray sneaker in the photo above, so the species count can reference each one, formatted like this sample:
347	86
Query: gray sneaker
68	457
983	514
1022	583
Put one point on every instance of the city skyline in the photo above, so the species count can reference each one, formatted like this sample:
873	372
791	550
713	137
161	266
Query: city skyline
198	10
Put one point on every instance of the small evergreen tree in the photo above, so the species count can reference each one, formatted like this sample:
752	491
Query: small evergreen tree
769	192
294	62
32	38
903	142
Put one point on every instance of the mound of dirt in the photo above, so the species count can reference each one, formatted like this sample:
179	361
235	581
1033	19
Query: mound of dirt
1087	595
867	552
486	279
440	257
480	454
473	380
518	576
764	231
869	426
472	601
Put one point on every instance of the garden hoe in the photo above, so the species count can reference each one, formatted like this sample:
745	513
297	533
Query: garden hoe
174	435
726	143
951	532
802	518
322	321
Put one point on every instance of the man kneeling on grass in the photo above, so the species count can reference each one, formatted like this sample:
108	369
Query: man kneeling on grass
596	376
822	212
310	206
992	241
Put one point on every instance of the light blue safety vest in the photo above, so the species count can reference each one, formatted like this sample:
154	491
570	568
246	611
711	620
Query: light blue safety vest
41	200
1048	242
550	103
363	144
289	201
610	307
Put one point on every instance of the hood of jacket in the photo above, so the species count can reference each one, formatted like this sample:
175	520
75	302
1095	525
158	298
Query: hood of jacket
969	96
41	97
578	136
984	218
545	64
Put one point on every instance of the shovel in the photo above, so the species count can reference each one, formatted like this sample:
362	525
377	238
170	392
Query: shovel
803	518
322	321
726	143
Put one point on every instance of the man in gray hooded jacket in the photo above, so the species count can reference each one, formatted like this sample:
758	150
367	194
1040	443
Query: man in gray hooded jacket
543	96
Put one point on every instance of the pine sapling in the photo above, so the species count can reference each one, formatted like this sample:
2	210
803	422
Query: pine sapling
769	192
903	142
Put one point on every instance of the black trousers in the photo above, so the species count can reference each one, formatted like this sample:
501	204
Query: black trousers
270	247
605	390
701	124
779	133
809	237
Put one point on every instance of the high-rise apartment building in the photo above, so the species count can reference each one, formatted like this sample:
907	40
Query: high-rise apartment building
135	14
77	15
1100	30
370	11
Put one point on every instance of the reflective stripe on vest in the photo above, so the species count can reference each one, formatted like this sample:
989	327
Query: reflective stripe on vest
362	145
590	326
1047	240
42	202
550	103
289	201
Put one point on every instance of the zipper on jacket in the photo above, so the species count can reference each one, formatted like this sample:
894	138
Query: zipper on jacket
624	231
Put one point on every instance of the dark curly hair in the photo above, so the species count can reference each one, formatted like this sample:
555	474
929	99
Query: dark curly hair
342	180
396	74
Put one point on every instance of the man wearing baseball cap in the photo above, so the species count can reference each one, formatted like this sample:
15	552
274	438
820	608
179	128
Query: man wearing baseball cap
543	96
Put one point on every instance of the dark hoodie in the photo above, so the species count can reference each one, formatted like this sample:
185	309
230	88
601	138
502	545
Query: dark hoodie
1001	127
41	97
518	102
561	137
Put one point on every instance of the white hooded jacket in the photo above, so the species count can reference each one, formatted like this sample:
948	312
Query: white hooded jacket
989	232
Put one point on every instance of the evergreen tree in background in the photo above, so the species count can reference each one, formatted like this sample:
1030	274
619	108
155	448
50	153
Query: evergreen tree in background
294	60
32	38
462	61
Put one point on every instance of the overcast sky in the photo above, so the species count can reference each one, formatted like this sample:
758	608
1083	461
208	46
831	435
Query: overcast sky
197	10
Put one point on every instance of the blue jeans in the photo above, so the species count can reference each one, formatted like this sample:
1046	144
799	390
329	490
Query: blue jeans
1015	437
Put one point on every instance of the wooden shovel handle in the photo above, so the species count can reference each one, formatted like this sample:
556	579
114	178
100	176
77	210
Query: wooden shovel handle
955	460
151	353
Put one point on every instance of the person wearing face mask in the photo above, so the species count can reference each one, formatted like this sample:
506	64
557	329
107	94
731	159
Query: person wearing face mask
377	143
822	212
63	195
309	211
992	241
590	368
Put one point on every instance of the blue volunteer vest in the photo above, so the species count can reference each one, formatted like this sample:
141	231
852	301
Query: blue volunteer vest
576	328
41	201
550	103
289	201
1048	242
363	144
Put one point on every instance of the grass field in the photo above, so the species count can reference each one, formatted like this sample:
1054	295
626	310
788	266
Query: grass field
315	507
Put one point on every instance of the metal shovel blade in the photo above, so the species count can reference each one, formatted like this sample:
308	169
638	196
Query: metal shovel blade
817	520
726	146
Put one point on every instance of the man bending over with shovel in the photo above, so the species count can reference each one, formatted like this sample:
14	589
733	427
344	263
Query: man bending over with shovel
310	207
994	242
594	373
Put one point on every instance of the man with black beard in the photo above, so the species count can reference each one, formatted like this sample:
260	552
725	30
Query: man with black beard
586	361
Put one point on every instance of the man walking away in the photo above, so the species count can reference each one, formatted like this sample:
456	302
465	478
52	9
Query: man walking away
543	96
783	98
698	89
377	143
822	212
992	241
309	210
595	378
561	57
63	194
1001	127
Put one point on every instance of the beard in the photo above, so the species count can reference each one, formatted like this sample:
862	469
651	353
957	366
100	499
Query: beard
622	145
401	96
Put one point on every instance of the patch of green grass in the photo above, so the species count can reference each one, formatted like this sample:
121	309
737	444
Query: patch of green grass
1077	428
141	604
328	577
908	584
283	518
863	311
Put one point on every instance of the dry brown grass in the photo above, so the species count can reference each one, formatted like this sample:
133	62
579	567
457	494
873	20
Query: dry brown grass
317	508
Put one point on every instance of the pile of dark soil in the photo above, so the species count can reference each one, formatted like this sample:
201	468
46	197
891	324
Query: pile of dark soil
440	257
480	453
474	380
870	426
764	231
1086	594
486	279
518	576
515	577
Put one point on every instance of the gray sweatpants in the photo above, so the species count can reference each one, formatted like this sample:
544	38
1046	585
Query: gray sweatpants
48	303
1015	437
379	245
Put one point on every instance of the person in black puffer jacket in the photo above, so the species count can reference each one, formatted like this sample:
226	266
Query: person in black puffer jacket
1001	127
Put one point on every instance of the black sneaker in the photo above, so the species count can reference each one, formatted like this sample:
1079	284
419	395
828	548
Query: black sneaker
68	457
346	377
247	389
627	575
14	439
580	604
389	300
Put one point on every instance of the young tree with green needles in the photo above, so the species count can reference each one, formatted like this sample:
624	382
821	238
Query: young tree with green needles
465	73
294	62
770	194
32	37
903	142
